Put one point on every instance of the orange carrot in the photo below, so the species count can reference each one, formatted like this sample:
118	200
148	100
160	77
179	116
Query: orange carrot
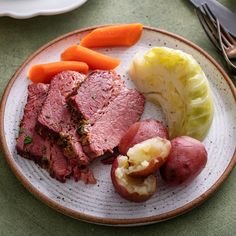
43	73
116	35
94	59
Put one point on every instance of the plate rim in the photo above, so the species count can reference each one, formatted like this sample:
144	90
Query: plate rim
93	219
19	15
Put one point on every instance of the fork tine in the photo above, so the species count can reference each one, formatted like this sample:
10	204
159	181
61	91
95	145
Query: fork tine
229	63
212	18
209	20
231	51
207	28
228	36
209	13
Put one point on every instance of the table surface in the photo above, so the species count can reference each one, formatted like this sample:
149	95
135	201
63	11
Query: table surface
20	212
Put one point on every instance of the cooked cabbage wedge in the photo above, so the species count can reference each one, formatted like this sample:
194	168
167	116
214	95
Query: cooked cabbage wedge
175	81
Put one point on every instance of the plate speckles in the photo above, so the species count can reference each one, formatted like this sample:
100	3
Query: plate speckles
100	203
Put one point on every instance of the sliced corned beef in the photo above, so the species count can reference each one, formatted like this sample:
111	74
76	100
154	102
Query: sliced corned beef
59	166
55	119
86	175
31	145
98	90
106	132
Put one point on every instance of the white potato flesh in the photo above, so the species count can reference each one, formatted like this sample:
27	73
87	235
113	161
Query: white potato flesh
150	149
142	186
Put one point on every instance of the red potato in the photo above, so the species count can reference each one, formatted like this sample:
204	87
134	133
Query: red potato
147	157
141	131
132	189
186	160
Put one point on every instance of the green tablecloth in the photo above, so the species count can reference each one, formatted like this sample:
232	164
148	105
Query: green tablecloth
23	214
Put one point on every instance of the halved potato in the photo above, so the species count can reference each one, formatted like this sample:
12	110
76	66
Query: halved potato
132	189
146	157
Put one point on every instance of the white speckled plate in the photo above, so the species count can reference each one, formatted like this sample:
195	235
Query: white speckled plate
100	203
22	9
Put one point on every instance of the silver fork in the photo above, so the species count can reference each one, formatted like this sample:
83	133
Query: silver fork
220	38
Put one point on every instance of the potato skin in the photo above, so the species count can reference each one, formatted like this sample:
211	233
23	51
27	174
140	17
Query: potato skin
122	191
141	131
186	160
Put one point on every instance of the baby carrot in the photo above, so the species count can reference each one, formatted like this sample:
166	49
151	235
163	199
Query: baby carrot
94	59
116	35
43	73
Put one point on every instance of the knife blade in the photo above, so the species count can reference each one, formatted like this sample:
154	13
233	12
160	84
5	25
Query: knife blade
226	17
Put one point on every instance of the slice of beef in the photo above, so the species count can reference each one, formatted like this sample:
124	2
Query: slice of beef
86	175
31	145
106	132
59	166
55	119
99	89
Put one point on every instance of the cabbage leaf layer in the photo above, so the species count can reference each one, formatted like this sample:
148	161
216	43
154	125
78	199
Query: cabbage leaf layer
174	80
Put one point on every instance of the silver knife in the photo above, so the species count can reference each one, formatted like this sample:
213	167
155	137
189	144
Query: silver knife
226	17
